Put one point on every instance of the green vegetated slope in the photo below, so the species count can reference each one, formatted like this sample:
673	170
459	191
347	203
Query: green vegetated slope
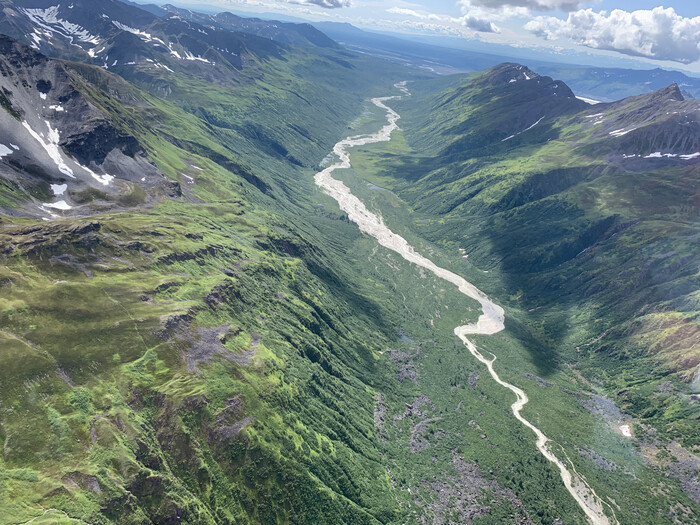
203	359
227	353
237	352
582	221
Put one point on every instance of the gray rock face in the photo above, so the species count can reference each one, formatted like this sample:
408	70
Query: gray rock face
57	144
649	130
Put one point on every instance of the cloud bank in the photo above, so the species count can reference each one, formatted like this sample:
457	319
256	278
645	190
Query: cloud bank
536	5
470	21
659	33
328	4
478	24
415	14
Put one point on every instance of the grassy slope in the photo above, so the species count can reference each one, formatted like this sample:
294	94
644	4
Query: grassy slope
102	418
108	419
206	359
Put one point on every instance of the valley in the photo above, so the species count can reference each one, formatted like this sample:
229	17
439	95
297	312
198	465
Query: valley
490	322
480	307
386	202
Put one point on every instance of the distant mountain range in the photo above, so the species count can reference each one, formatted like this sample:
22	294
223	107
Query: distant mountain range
605	84
284	32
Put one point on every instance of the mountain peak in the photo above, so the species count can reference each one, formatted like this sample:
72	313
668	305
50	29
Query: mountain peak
509	73
671	92
661	125
657	100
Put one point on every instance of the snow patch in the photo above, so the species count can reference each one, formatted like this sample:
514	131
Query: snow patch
51	147
620	132
60	205
102	179
48	19
162	66
588	100
626	430
94	51
659	155
146	37
57	108
523	131
173	52
190	56
36	37
59	189
4	151
42	96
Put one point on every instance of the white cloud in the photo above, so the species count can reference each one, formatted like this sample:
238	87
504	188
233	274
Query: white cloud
476	11
537	5
415	14
659	33
479	24
469	21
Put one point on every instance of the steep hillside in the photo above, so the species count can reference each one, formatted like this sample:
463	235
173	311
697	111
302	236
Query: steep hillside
145	381
163	364
132	41
237	83
195	333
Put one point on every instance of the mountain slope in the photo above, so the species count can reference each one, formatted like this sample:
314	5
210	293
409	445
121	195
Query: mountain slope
66	145
237	82
174	354
201	357
217	356
563	190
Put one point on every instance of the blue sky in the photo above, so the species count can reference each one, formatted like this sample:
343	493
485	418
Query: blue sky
667	35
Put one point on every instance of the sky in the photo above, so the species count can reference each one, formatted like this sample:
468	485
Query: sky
663	35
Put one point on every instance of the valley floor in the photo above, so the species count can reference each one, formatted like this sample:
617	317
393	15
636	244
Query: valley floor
489	323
